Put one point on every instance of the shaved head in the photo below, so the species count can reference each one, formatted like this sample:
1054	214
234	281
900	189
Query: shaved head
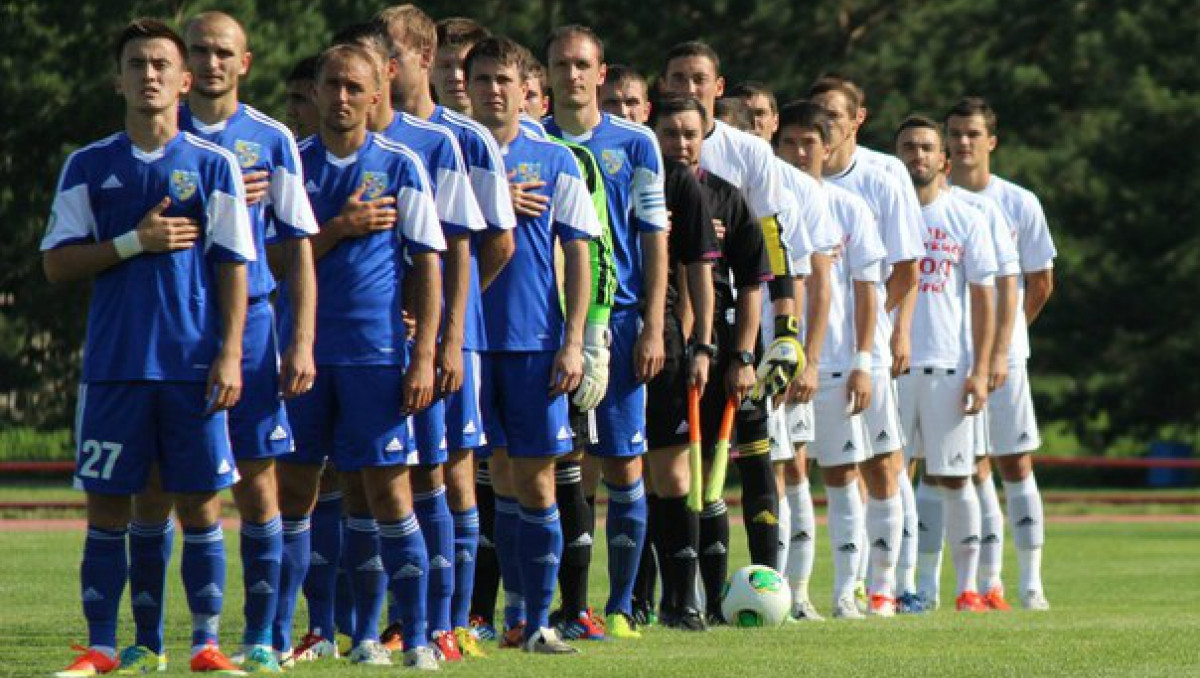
217	22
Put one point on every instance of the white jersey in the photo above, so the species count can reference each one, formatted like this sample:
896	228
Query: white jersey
860	259
958	252
1007	259
807	226
899	227
749	164
1035	248
895	168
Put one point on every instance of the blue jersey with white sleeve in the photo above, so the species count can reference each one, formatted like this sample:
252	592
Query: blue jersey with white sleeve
154	316
261	144
359	279
522	310
632	166
439	154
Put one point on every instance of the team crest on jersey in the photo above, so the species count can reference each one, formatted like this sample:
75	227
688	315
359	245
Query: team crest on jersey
612	159
184	184
374	184
247	153
528	171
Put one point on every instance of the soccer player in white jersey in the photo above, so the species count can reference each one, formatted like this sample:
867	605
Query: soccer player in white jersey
971	136
534	357
218	58
884	473
412	40
844	389
633	181
626	94
693	69
812	237
946	383
156	218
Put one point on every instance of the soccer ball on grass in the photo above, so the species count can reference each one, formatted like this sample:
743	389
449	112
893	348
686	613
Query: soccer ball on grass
756	596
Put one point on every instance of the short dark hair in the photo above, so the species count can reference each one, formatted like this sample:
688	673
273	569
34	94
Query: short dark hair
574	30
968	106
805	115
753	88
674	105
734	111
304	69
365	34
837	84
919	121
620	73
147	28
350	49
505	51
693	48
534	70
846	81
459	32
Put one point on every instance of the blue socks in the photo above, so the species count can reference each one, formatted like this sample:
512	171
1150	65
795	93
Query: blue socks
102	582
466	548
368	579
203	570
320	584
262	556
437	527
343	598
626	537
407	565
540	544
296	550
149	555
508	522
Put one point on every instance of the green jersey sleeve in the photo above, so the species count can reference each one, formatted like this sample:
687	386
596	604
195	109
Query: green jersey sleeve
600	250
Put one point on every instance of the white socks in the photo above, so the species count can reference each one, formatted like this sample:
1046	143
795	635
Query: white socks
962	532
845	536
991	545
802	546
1028	522
906	566
785	532
885	527
930	534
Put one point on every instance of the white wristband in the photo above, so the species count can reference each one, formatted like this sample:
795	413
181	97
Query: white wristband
128	245
862	361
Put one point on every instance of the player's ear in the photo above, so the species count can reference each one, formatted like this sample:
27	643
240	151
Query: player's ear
603	74
992	140
649	108
427	55
861	116
720	86
247	59
185	82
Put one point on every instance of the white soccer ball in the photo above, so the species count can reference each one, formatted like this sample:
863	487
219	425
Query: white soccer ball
756	596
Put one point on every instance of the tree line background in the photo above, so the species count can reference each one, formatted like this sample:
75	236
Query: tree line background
1099	105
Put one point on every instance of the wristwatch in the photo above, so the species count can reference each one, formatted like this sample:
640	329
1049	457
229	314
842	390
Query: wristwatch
744	357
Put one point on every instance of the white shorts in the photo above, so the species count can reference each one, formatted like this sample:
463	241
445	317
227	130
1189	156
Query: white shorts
981	424
882	416
780	433
1012	423
937	429
843	438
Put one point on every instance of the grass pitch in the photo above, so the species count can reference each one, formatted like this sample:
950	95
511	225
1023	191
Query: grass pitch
1125	596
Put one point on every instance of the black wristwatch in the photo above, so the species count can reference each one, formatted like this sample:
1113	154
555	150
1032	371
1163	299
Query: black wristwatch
744	357
709	350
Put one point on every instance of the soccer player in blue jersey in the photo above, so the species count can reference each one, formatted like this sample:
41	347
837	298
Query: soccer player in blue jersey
632	165
156	218
412	41
534	354
370	379
456	36
460	217
300	112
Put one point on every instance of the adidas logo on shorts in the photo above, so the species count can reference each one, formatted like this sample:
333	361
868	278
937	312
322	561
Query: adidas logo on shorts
470	428
682	428
279	434
224	467
394	446
883	437
1023	438
637	439
849	446
563	433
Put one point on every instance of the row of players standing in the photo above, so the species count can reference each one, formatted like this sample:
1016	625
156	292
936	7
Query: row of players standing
350	413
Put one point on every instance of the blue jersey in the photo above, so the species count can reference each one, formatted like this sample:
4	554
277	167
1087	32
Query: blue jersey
440	156
521	308
485	167
262	144
154	316
359	279
632	166
533	125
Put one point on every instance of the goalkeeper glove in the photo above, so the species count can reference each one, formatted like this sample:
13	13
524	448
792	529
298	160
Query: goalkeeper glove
596	340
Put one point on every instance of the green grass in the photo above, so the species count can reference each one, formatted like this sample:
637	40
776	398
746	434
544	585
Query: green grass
21	443
1125	604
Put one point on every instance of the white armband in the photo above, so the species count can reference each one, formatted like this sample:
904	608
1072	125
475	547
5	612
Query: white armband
862	361
128	245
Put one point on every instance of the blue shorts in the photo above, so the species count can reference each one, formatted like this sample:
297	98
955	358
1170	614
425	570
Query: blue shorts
352	417
123	428
258	424
464	423
518	413
428	431
621	416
